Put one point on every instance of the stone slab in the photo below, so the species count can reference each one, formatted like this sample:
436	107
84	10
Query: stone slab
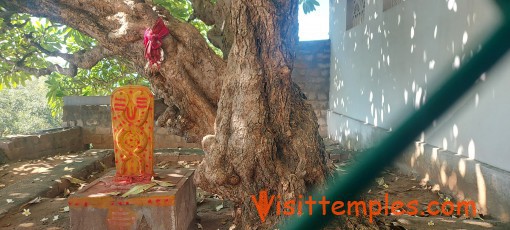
174	208
178	154
42	144
49	183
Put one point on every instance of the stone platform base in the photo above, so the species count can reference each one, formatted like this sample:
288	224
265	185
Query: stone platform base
97	206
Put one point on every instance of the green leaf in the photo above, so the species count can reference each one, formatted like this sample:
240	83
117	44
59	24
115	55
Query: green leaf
309	5
25	103
99	80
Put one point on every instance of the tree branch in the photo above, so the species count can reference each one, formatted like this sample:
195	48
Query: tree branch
204	10
221	35
20	65
119	26
84	59
6	15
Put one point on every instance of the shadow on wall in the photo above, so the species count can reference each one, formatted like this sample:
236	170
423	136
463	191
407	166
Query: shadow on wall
385	68
353	134
393	59
466	178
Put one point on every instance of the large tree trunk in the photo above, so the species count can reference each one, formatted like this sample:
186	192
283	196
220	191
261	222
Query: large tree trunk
266	135
262	134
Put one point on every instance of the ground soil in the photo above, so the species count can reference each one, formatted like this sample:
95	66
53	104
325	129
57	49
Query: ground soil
15	171
216	213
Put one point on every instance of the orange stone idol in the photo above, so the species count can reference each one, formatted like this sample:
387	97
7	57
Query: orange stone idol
132	124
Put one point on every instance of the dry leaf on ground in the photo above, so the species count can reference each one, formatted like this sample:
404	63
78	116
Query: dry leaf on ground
163	183
380	181
113	193
73	180
35	200
65	209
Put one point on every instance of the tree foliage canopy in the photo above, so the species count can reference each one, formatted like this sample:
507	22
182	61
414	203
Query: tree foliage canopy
23	109
33	46
252	120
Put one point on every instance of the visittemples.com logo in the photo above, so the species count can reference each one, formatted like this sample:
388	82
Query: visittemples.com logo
369	208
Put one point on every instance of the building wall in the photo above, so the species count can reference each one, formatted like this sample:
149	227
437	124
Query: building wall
386	67
311	73
378	78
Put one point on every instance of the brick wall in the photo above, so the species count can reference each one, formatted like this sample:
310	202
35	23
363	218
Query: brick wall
44	143
311	73
93	115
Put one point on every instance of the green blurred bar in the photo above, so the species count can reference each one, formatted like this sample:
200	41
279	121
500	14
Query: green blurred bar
363	173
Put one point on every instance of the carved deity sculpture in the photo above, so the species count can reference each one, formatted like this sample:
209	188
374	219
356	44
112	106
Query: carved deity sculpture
132	124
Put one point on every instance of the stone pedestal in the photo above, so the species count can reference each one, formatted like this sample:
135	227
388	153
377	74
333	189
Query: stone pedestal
97	207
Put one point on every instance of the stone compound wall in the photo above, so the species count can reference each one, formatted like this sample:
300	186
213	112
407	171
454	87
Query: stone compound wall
87	120
311	73
43	143
92	114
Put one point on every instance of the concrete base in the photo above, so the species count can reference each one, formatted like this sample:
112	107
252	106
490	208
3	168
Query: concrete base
464	178
94	207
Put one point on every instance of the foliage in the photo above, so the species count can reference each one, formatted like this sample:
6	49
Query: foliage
23	109
182	9
20	40
100	80
31	43
37	43
308	5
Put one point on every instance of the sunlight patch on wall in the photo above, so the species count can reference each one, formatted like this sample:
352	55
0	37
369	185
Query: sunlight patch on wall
452	5
471	149
482	189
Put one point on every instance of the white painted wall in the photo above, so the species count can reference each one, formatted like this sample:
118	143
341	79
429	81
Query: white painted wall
385	68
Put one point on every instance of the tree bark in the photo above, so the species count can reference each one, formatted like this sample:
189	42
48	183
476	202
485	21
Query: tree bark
266	135
256	129
189	80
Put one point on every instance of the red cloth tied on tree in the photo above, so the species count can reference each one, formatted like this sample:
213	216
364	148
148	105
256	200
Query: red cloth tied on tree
152	40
